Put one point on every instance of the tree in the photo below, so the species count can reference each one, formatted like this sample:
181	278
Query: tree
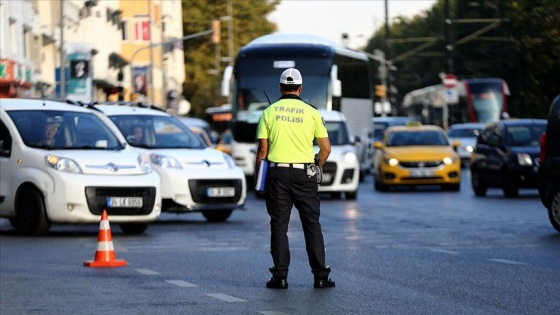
201	87
523	49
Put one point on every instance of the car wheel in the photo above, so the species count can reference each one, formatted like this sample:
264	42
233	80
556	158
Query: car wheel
351	195
133	228
31	217
336	195
377	184
217	215
451	187
554	211
510	186
478	185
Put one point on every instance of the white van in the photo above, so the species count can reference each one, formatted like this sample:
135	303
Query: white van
194	177
341	172
63	163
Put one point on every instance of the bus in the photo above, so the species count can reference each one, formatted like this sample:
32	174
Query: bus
480	100
334	78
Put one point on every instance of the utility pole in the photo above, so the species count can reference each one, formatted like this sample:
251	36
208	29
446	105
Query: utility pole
388	84
62	54
151	85
447	34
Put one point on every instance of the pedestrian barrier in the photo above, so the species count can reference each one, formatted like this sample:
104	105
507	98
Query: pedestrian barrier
105	253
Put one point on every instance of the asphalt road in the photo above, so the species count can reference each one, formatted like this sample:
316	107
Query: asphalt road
412	251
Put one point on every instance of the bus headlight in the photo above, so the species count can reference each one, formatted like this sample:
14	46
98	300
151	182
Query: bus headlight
524	159
165	161
62	164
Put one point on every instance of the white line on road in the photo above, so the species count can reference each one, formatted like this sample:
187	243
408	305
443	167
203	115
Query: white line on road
505	261
445	251
181	283
273	313
225	297
147	272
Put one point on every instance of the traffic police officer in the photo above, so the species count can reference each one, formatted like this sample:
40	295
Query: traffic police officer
285	135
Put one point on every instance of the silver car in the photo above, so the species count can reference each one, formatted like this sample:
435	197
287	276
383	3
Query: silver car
466	133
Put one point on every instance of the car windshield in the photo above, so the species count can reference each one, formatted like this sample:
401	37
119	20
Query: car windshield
157	132
524	136
464	132
338	134
411	138
64	130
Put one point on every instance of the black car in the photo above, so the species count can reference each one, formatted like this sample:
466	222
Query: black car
506	155
549	169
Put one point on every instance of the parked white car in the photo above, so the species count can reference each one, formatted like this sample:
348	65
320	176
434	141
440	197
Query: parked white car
341	172
194	177
63	163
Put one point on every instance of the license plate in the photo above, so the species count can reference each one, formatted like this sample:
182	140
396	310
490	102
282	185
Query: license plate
124	202
421	173
326	178
220	192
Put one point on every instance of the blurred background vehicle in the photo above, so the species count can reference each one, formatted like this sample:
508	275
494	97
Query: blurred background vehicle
417	154
549	166
194	177
202	128
466	134
380	124
505	156
224	144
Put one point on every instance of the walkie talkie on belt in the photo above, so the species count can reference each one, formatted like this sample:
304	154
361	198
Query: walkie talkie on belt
315	169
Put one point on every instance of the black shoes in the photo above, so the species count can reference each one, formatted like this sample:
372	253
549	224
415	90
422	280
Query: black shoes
323	283
277	283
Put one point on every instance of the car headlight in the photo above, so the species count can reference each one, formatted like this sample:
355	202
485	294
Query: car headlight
144	163
349	157
391	161
449	160
229	160
469	148
165	161
524	159
62	164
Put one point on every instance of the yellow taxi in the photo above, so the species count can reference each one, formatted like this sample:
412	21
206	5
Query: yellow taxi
417	154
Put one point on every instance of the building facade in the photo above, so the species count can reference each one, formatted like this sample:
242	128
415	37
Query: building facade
113	50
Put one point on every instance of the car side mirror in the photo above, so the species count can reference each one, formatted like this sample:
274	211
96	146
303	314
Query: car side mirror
357	139
378	145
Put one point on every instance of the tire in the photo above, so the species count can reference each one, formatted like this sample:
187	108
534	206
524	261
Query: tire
510	186
478	185
351	195
133	228
336	195
31	217
451	187
379	186
217	215
554	211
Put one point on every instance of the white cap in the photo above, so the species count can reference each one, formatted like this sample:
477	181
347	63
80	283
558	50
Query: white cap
291	76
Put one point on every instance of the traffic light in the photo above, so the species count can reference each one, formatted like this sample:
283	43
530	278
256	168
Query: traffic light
381	90
216	28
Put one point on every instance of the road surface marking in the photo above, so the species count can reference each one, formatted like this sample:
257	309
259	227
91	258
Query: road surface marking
505	261
181	283
148	272
445	251
225	297
273	313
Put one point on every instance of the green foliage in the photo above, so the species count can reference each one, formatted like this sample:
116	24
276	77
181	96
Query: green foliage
523	49
201	87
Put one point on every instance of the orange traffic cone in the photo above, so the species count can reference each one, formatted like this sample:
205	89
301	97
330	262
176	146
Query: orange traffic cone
105	254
